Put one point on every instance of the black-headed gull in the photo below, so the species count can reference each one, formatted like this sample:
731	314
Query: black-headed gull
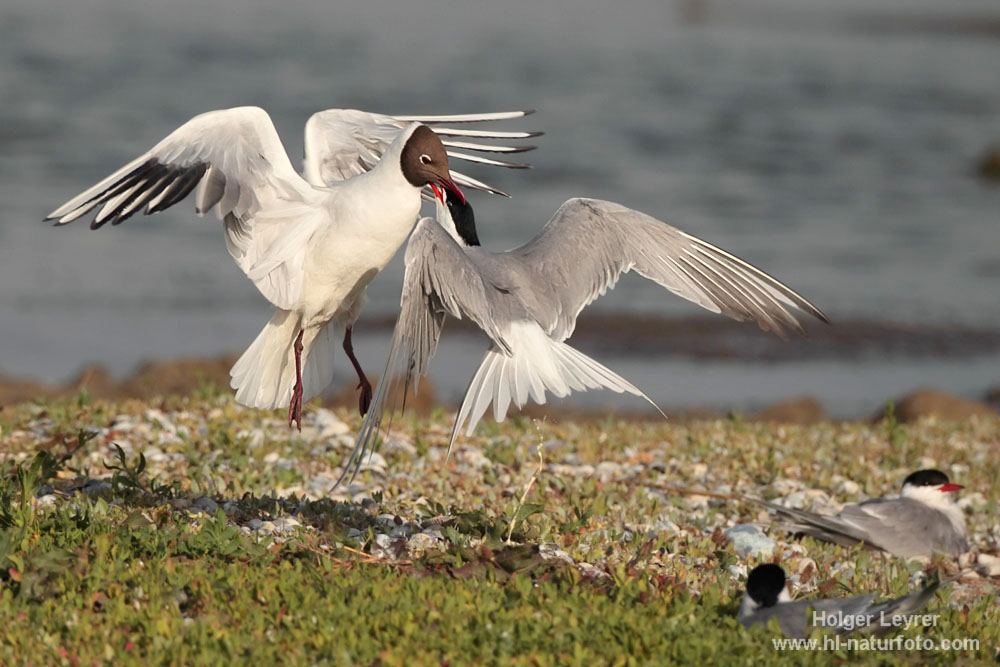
527	299
921	521
311	245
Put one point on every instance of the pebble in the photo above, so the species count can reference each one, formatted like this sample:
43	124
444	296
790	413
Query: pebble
285	524
547	447
549	551
399	446
607	470
385	547
329	424
422	542
784	486
206	505
475	458
988	565
750	541
96	487
154	454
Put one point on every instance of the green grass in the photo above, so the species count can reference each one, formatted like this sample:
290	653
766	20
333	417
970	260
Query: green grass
132	573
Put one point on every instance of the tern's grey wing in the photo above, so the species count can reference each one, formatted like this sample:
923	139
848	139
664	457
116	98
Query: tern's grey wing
589	243
341	143
797	619
820	526
441	279
906	605
901	526
905	527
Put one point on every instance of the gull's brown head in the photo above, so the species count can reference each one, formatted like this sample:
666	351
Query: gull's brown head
425	162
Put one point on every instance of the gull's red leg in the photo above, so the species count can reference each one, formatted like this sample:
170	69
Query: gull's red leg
295	407
365	400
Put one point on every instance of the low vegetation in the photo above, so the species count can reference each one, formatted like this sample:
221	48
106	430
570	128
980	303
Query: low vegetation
192	531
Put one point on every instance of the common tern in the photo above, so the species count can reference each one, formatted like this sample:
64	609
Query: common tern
310	244
766	597
921	521
527	300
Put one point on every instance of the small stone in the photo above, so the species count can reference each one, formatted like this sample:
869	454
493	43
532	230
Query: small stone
749	540
181	503
387	547
783	486
355	534
474	458
48	500
96	487
422	542
272	457
254	524
154	454
607	470
374	461
285	524
737	571
267	527
328	423
206	505
591	571
848	487
548	447
400	446
549	551
988	565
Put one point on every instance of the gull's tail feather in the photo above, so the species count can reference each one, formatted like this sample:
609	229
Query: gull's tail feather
538	364
264	375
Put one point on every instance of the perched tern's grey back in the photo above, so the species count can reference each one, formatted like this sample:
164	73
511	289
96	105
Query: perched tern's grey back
921	521
766	597
526	300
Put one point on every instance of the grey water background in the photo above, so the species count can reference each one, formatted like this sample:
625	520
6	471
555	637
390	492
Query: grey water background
831	144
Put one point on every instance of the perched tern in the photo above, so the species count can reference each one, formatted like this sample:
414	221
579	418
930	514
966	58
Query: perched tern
527	300
921	521
766	597
310	244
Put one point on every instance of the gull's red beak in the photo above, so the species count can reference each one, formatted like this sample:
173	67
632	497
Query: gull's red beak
450	184
950	487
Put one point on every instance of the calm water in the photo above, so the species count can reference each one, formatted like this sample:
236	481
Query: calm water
834	153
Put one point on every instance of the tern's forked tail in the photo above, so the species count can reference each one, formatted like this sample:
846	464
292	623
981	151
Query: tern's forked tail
538	364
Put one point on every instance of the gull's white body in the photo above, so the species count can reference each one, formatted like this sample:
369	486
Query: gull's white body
310	244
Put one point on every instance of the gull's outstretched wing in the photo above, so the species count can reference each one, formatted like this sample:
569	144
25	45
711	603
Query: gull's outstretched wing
341	143
588	244
235	159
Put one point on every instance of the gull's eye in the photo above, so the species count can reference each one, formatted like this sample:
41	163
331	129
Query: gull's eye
425	158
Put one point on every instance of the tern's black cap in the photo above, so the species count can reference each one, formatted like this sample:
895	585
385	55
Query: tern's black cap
464	217
926	478
765	584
